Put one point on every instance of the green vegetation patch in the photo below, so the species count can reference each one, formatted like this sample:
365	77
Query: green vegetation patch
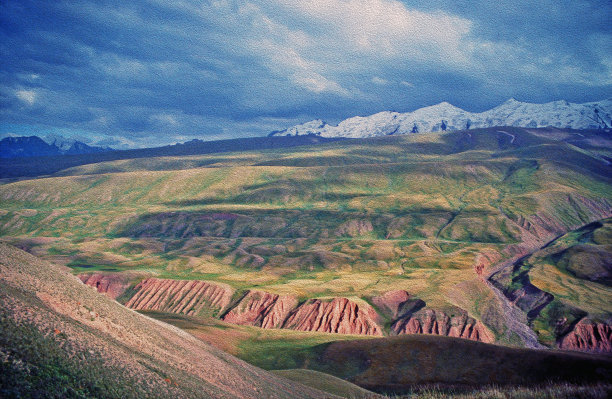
46	366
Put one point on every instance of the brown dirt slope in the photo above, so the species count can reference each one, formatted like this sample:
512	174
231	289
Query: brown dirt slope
338	315
158	360
261	309
190	297
113	285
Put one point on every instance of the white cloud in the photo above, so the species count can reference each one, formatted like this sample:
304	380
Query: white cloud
386	28
27	96
317	83
319	45
165	118
379	81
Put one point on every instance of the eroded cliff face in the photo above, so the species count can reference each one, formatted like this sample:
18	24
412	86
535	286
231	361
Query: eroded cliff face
435	322
261	309
112	285
191	297
397	303
410	316
338	315
589	336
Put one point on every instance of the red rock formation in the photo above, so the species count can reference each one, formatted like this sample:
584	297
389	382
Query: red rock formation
112	285
397	304
261	309
189	297
589	336
266	310
338	315
390	301
429	321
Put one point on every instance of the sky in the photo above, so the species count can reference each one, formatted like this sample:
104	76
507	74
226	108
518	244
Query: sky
145	73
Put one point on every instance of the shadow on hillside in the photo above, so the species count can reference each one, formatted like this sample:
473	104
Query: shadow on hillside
286	224
396	364
271	195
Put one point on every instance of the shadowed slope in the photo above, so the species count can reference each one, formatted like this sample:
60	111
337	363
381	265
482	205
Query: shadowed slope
397	363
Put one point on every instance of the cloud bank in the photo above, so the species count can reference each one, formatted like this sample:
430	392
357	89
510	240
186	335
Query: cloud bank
157	72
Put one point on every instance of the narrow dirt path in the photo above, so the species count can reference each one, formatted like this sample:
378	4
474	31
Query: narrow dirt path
512	137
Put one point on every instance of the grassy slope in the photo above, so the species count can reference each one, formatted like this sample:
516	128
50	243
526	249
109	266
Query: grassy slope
62	339
284	219
327	383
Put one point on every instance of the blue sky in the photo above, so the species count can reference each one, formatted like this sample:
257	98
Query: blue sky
138	73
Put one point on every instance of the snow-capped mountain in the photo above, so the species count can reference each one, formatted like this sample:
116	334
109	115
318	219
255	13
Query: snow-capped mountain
34	146
444	116
62	143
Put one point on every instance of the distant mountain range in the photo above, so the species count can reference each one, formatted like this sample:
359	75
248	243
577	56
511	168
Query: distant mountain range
440	117
49	161
444	116
34	146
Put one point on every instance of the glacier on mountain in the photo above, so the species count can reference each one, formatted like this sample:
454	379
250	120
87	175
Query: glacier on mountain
445	116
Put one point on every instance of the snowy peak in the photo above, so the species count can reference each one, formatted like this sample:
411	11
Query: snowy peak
511	101
61	142
441	107
445	116
312	127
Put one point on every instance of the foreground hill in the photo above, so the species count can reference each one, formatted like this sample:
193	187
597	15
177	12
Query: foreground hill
409	363
62	339
398	363
384	236
395	364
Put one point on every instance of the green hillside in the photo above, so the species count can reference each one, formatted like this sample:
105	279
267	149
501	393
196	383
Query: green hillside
431	214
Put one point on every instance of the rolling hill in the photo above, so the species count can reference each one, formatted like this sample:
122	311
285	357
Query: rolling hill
478	234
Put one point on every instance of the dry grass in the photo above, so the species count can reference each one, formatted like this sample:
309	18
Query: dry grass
547	391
